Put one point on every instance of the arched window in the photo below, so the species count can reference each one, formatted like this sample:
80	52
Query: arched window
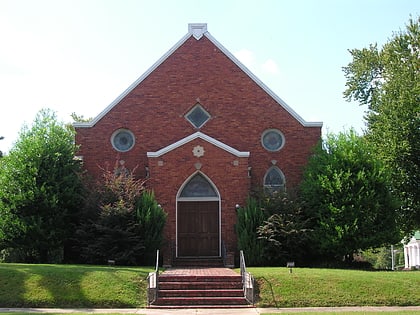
274	180
198	187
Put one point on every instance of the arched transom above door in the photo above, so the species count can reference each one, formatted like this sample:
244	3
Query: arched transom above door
198	187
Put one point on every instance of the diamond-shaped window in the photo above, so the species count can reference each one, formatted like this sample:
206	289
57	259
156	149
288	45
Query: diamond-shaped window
197	116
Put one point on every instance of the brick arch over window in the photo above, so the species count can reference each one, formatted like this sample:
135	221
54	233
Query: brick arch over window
274	180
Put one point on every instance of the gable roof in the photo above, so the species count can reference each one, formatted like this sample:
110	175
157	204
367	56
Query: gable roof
194	136
198	30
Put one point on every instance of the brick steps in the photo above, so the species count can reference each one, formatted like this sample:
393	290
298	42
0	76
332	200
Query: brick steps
202	293
208	288
207	285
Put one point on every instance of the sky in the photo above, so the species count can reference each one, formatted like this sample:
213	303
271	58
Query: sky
80	55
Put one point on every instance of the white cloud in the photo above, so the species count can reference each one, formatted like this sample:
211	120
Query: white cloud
270	66
246	56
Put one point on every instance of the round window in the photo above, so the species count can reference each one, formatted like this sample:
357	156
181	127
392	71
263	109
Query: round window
122	140
272	140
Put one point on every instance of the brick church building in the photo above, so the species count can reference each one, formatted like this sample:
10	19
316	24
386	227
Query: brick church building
205	131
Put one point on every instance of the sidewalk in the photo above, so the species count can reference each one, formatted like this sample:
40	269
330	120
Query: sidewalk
214	311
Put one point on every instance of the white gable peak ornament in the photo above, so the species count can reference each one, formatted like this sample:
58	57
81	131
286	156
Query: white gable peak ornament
197	29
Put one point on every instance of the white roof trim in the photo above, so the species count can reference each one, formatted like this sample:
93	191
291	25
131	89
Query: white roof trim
194	136
197	30
262	85
132	86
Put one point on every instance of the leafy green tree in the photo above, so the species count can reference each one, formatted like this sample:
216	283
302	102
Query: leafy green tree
387	80
79	118
347	195
1	153
286	230
40	190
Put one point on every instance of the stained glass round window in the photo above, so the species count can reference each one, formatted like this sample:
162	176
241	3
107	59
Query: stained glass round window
122	140
272	140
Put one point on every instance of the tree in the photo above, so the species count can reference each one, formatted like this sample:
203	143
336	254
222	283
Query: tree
387	80
347	194
122	221
1	153
40	190
249	219
286	230
151	218
79	118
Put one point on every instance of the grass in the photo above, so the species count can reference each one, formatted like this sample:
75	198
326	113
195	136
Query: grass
81	286
306	287
77	286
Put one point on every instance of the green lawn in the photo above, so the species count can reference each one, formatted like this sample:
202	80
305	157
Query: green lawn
307	287
23	285
81	286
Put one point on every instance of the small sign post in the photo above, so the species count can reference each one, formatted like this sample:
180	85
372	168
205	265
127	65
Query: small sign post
290	265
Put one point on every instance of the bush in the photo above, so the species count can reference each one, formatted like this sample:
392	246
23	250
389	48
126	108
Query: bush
285	230
126	223
151	219
249	218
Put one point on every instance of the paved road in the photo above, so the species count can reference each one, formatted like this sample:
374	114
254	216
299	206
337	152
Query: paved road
212	311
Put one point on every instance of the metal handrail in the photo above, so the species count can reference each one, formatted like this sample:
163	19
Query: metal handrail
224	253
248	281
153	282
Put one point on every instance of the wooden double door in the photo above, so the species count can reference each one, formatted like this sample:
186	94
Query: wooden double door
198	228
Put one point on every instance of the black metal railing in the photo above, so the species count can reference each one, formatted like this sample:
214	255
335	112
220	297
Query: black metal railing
248	281
153	283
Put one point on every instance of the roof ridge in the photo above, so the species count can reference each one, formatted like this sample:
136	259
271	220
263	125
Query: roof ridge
198	30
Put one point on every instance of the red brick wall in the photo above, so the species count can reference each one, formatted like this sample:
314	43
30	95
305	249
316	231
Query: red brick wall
240	112
228	173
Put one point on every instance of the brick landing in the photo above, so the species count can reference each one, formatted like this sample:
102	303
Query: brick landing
197	271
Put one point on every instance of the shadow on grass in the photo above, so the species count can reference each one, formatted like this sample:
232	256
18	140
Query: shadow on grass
65	286
12	287
268	283
23	285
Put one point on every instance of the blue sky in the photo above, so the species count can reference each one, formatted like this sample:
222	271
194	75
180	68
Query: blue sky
79	55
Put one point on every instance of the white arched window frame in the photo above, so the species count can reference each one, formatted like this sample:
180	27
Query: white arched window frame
274	180
198	187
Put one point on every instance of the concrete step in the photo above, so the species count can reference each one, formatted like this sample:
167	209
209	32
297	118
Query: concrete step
201	306
220	301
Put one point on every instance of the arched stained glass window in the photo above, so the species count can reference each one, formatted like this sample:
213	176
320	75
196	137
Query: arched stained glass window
274	180
198	186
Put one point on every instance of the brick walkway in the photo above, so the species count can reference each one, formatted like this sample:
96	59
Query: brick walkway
199	272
